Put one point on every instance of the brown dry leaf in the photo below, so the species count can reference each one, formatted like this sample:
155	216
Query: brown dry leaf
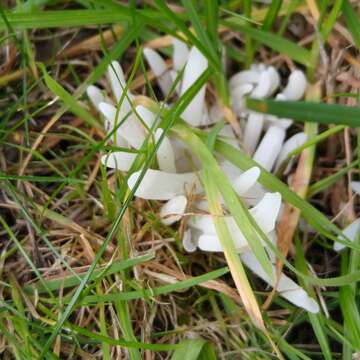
93	43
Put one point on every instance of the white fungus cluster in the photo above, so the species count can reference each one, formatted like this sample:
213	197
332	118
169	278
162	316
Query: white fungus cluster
175	178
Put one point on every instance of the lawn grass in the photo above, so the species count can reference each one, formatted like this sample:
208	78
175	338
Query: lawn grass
87	270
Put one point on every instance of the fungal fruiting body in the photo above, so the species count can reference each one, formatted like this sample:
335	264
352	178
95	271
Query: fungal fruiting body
178	172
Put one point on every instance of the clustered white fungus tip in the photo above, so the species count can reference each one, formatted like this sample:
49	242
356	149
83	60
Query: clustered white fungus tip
176	177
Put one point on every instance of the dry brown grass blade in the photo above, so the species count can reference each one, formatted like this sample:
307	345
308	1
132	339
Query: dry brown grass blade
313	9
94	239
93	43
216	285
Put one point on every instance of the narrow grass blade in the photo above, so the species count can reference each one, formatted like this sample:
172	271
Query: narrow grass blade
50	179
68	99
26	256
273	41
150	293
190	350
350	311
232	258
62	18
308	111
181	25
328	181
195	349
316	139
352	21
127	344
316	320
98	274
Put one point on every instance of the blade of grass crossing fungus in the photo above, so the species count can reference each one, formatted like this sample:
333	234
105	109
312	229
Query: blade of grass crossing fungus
305	111
310	213
316	139
235	206
168	122
232	258
181	25
199	28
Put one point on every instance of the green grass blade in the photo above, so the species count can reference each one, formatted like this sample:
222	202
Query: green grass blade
199	28
328	181
352	21
119	342
350	311
232	258
68	99
308	111
63	18
316	320
181	25
190	350
98	274
273	41
149	293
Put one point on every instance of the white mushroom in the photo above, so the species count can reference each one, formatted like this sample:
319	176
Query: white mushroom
159	68
264	86
119	160
244	77
195	66
355	185
118	86
160	185
286	288
173	156
190	240
265	214
290	145
165	153
146	115
350	232
246	180
173	210
181	54
253	129
296	86
95	95
275	79
129	127
270	147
